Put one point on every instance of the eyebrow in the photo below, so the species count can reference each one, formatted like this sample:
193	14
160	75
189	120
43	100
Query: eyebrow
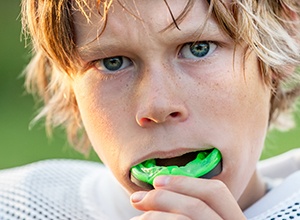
90	50
101	47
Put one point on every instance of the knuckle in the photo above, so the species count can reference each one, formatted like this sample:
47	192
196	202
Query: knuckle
218	186
195	205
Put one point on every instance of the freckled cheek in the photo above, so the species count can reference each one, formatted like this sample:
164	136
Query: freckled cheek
243	116
237	111
93	113
106	123
241	120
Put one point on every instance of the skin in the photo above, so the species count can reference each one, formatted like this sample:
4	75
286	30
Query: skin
164	103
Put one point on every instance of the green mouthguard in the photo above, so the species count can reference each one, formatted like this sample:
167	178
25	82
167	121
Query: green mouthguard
205	162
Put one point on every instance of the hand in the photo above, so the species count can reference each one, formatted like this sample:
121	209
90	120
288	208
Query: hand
179	197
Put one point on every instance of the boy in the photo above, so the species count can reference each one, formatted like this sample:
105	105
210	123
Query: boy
159	82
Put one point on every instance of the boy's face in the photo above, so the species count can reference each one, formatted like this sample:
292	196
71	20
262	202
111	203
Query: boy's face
161	96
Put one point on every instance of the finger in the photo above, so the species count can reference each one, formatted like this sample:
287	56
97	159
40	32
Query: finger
155	215
172	202
212	192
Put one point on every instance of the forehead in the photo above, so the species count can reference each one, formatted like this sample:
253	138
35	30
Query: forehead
138	9
153	16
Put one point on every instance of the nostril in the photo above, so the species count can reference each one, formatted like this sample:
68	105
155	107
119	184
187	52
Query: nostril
145	120
174	114
160	117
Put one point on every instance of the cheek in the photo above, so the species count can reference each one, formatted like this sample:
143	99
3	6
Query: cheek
97	113
244	122
235	106
108	122
97	123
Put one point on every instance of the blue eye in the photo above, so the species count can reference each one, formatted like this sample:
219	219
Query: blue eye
197	50
113	64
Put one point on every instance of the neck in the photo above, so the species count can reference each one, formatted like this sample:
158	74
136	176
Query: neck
255	189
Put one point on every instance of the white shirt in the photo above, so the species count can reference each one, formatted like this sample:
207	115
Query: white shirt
282	173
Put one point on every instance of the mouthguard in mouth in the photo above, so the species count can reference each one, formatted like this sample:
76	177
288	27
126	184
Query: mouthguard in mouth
207	164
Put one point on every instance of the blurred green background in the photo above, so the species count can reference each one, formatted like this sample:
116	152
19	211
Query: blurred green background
19	144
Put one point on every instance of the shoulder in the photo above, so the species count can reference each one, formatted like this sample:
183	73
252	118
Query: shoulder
282	202
50	173
45	189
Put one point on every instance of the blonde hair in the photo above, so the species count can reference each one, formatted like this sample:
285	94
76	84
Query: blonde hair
269	27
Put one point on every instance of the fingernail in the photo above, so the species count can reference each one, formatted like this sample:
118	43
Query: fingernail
138	196
161	181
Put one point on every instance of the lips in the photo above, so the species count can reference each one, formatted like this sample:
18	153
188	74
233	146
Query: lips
204	164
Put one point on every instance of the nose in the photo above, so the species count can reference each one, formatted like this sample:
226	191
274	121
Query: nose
160	101
160	114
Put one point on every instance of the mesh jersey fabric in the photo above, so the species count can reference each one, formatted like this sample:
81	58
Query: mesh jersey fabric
47	190
281	203
80	190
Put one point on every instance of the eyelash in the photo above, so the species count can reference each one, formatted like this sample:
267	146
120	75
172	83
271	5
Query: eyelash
120	62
